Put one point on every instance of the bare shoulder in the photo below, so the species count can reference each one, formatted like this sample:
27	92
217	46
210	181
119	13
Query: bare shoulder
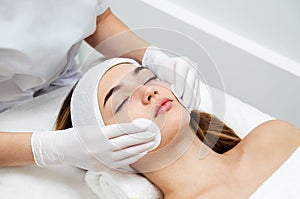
273	140
278	129
278	124
262	152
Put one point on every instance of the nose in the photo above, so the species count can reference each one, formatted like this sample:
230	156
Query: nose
148	94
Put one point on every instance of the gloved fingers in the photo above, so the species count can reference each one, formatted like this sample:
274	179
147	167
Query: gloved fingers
194	97
133	150
180	73
125	141
163	68
197	96
130	160
197	89
153	55
166	71
188	93
116	130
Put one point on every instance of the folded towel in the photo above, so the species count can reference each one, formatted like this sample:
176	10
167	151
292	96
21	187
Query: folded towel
119	185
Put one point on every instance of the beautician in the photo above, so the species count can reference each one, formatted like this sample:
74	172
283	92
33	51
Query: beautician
39	41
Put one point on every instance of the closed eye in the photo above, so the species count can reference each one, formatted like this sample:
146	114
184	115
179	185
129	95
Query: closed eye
120	106
150	79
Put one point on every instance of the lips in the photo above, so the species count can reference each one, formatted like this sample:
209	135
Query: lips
163	105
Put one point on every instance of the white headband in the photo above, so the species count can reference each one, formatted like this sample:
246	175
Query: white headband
84	102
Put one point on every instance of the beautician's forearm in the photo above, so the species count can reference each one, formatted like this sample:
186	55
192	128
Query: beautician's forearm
108	40
15	149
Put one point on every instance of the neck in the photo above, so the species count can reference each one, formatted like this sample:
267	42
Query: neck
197	171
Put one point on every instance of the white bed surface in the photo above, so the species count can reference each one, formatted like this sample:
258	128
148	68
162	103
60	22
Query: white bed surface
32	182
68	182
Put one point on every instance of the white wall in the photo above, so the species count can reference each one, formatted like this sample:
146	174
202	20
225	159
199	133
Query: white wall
252	70
274	24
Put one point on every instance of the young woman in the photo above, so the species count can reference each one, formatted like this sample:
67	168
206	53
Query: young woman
183	165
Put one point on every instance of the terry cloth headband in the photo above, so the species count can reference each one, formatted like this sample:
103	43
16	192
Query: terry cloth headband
84	103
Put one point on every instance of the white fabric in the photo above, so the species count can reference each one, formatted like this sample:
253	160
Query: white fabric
39	40
79	146
32	182
102	6
84	101
67	182
119	185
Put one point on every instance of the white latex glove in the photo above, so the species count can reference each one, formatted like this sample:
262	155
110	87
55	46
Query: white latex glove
180	72
96	148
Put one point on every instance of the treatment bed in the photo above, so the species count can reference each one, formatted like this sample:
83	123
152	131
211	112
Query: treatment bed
65	182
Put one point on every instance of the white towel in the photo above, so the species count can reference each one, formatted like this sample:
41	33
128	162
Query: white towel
119	185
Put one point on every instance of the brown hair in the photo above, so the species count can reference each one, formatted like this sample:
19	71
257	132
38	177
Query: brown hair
209	129
213	132
63	120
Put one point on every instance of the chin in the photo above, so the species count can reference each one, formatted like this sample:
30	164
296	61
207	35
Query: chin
171	123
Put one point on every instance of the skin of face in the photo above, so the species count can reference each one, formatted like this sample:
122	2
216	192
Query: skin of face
141	97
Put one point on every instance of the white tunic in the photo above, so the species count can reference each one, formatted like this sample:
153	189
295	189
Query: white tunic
39	41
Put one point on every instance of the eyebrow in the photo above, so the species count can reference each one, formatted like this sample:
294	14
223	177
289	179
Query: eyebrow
117	87
110	93
138	69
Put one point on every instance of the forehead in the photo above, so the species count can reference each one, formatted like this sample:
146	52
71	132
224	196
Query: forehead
112	77
114	74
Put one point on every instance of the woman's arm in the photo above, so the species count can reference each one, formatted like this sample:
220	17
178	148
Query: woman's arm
263	151
114	39
15	149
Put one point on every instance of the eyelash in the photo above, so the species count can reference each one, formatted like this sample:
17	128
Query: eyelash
121	105
152	78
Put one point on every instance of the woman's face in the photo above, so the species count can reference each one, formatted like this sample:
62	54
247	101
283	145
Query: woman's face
127	92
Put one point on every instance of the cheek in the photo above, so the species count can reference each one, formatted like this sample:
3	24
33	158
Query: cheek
137	110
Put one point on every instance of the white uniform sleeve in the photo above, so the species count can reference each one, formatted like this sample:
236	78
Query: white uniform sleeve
241	117
102	6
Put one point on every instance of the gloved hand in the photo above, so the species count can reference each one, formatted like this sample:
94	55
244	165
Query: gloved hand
180	72
95	148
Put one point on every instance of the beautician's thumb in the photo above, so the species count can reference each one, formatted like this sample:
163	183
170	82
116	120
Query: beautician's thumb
152	130
130	138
